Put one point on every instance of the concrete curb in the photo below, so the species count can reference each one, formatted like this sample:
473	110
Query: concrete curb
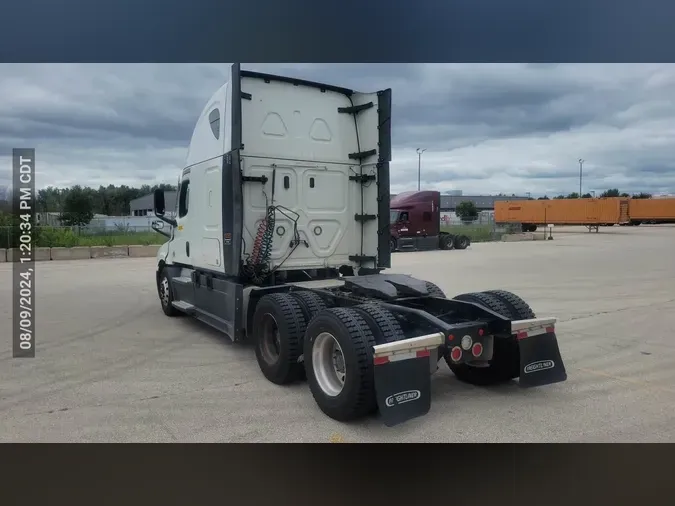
42	254
76	253
137	251
525	236
109	251
13	254
83	253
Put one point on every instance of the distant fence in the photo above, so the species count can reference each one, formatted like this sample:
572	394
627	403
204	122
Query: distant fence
482	229
68	237
99	222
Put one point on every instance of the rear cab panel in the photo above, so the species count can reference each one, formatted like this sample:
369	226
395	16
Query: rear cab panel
293	134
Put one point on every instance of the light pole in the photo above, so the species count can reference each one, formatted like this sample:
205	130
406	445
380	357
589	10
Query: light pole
581	171
419	166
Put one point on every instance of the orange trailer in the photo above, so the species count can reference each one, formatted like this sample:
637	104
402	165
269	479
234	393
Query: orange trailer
592	212
652	211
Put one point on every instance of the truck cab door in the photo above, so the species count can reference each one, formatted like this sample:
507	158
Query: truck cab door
403	225
180	245
408	231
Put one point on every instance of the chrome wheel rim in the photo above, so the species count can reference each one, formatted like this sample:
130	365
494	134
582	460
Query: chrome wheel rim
328	363
164	291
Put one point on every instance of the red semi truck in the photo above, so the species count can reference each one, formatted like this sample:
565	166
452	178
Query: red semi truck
415	224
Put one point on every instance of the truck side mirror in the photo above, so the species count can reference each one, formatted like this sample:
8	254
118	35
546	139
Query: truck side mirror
160	206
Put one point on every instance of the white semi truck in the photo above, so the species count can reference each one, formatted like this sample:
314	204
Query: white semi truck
281	236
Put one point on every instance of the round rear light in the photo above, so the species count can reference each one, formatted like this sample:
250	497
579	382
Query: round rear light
477	350
456	353
466	343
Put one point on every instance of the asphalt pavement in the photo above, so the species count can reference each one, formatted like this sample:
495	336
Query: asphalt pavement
111	367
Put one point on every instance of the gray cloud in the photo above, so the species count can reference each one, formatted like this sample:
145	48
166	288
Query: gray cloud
487	128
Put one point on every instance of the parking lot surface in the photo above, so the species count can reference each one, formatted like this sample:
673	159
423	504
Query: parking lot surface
111	367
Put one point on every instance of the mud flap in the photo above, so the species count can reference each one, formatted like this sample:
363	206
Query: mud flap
403	388
540	360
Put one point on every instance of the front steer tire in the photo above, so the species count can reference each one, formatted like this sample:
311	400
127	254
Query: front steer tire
352	333
279	326
165	293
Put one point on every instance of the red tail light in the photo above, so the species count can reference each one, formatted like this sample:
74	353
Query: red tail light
477	350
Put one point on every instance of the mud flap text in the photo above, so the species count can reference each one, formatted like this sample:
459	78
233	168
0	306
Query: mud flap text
403	389
540	360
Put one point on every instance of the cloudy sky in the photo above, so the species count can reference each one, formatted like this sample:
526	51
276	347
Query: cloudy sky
487	128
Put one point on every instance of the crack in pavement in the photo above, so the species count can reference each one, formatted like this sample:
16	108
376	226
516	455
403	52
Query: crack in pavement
647	384
141	399
612	311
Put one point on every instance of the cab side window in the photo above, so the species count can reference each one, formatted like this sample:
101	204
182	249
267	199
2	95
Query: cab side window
403	216
184	198
214	119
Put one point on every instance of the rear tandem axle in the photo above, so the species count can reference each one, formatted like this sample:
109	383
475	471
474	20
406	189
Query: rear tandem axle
374	342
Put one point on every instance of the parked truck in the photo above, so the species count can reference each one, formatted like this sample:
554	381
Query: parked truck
281	236
416	223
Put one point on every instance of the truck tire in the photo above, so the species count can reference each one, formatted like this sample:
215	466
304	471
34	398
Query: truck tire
434	290
278	330
338	350
520	310
166	295
310	303
462	242
505	363
383	324
447	241
392	244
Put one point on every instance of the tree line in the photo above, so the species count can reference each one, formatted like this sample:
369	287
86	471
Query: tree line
614	192
77	205
110	200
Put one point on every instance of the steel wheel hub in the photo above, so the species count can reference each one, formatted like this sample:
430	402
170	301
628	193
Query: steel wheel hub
328	363
270	339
